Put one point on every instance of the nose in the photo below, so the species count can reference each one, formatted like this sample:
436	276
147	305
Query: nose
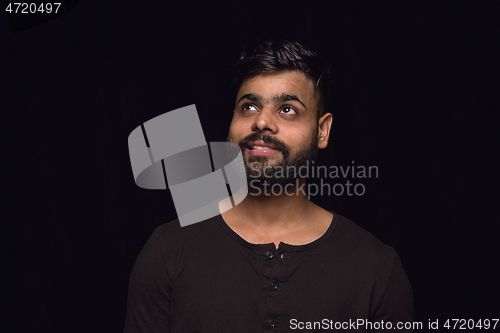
264	122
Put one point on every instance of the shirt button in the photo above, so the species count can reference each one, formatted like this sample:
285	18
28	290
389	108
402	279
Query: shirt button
269	255
271	323
274	286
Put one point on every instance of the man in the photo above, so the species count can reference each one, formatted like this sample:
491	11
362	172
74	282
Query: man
276	262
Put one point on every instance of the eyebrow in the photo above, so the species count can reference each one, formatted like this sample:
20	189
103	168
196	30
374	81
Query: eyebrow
283	97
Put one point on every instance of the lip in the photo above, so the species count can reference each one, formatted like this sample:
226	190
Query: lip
261	143
269	150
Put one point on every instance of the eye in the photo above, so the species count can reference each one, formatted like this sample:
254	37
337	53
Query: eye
288	110
249	107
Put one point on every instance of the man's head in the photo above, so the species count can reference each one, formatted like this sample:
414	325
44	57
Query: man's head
264	56
280	118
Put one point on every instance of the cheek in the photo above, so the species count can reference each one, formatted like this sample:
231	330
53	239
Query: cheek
233	125
239	127
305	143
232	130
235	132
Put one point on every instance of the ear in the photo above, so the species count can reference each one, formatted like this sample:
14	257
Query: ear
324	126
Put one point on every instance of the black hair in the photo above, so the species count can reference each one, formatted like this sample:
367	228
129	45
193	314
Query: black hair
270	55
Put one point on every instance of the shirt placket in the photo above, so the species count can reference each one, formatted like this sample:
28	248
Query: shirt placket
275	270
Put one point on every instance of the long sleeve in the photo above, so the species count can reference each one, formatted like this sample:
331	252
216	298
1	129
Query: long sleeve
148	301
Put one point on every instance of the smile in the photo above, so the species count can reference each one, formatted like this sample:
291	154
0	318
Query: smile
261	148
256	150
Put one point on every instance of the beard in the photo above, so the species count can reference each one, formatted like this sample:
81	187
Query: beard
259	169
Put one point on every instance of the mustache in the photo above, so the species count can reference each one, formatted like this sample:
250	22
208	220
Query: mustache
267	139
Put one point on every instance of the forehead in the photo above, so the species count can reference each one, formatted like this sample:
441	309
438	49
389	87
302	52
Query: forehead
283	82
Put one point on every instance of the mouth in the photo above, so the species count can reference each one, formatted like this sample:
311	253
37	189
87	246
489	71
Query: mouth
261	148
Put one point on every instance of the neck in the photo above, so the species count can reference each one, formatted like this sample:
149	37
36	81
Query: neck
268	210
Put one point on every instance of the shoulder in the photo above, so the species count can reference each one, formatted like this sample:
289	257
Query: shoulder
170	243
176	241
355	237
380	269
171	234
369	260
362	247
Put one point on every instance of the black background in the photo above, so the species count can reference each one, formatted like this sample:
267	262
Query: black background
416	93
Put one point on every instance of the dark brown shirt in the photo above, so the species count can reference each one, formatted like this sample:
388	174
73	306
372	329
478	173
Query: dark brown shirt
206	278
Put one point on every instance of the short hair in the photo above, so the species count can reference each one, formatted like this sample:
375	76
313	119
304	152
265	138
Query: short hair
274	55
